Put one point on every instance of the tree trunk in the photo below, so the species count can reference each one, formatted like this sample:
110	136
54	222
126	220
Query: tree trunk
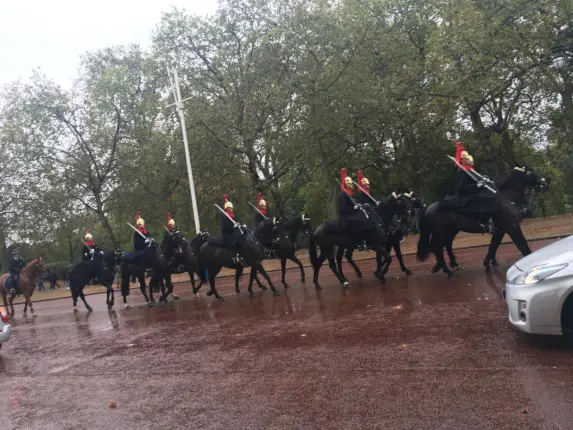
70	250
4	257
567	101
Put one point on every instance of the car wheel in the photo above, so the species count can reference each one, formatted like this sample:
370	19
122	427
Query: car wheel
567	316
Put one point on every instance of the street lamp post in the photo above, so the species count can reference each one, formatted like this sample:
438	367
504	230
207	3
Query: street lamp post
174	80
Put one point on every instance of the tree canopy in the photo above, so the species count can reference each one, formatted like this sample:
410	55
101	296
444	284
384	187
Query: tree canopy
280	95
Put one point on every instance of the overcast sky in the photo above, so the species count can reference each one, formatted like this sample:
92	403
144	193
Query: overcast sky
52	34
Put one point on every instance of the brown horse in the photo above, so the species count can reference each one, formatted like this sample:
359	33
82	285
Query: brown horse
27	284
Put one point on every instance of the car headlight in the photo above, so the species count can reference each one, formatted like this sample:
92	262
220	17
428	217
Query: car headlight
537	274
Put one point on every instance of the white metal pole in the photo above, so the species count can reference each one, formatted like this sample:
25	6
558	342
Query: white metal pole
181	112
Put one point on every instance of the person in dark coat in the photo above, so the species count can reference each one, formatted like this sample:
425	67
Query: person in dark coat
231	230
90	250
472	198
364	191
171	230
15	266
351	217
263	209
141	238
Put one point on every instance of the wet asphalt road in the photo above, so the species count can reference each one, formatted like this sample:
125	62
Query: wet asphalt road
419	352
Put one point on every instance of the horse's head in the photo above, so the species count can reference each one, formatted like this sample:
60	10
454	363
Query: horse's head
532	178
399	204
113	258
40	264
306	226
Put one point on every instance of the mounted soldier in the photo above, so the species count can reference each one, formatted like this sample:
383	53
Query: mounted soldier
351	217
171	230
363	196
231	230
90	250
263	210
472	198
140	244
16	264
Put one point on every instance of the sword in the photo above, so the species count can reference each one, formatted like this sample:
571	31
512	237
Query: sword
255	208
365	192
235	223
477	177
136	230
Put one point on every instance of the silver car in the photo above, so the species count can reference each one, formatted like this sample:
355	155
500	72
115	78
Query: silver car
538	290
5	328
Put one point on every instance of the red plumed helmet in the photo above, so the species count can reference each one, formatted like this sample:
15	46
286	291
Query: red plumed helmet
360	177
228	204
459	150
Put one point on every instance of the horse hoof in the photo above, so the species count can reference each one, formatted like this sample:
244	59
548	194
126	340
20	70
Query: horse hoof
237	292
409	272
197	295
303	281
380	277
174	297
75	310
195	291
210	292
285	285
450	275
276	293
346	284
90	309
34	315
150	304
25	315
494	263
127	307
110	307
317	287
360	275
457	268
435	269
262	287
221	299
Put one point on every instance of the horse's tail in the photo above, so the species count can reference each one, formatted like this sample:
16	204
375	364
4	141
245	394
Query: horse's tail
312	251
424	239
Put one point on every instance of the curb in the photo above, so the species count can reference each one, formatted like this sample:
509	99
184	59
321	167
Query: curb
308	265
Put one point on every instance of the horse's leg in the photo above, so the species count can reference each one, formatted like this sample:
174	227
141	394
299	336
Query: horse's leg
349	253
238	274
11	301
259	268
283	274
201	273
74	292
316	268
83	297
387	260
294	258
252	277
439	253
398	251
29	303
142	287
332	264
213	290
514	231
339	255
170	287
5	300
110	297
491	251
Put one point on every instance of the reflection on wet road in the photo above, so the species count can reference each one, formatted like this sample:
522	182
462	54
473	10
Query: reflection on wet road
418	352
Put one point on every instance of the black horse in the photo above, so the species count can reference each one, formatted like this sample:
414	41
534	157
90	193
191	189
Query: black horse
283	245
392	213
328	235
438	228
184	253
151	258
213	257
102	268
513	187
